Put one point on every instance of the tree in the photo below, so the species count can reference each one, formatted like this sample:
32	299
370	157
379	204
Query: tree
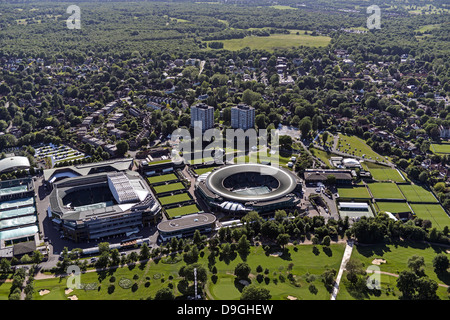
202	274
242	270
37	257
416	263
145	252
283	239
440	263
305	127
122	147
326	241
243	246
325	137
164	294
253	292
406	283
426	289
328	278
5	265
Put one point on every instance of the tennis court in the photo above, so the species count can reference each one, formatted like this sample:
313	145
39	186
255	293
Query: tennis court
433	212
417	194
385	191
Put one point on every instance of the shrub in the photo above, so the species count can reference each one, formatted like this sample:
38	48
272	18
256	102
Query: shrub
125	283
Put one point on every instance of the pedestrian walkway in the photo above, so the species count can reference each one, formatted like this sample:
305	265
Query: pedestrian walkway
345	258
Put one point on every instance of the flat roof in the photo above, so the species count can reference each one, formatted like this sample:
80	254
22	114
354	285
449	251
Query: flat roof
14	163
187	222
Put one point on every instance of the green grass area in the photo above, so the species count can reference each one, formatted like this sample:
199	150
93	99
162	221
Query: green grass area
415	193
276	41
181	211
154	276
201	171
440	148
162	178
433	212
175	198
428	27
355	146
159	162
392	207
280	7
323	155
397	255
385	191
5	288
169	187
386	175
353	193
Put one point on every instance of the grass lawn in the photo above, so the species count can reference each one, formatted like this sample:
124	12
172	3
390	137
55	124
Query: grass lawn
169	187
355	146
433	212
180	211
385	191
5	288
276	41
354	193
162	178
397	255
440	148
154	276
201	171
175	198
386	175
322	155
415	193
393	207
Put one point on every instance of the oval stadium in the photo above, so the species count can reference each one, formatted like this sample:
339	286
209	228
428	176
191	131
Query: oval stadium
247	187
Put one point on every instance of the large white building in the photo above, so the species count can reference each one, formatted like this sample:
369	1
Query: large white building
204	114
242	117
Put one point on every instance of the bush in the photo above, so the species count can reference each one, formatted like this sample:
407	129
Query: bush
125	283
111	288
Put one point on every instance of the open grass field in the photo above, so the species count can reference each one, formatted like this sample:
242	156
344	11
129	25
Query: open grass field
181	211
415	193
355	146
433	212
440	148
169	187
354	193
5	288
276	41
162	178
392	207
385	190
154	276
175	198
386	175
397	255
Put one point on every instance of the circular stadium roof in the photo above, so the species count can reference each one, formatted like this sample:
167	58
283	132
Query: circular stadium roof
286	182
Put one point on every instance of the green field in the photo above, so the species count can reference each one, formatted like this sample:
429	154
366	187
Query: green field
276	41
396	256
392	207
414	193
440	148
355	146
322	155
386	175
162	178
181	211
354	193
175	198
201	171
169	187
385	191
433	212
154	276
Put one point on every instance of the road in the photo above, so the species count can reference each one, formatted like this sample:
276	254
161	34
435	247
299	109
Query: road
345	258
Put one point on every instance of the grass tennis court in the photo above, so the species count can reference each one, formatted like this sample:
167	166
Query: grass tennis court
169	187
440	148
354	193
433	212
162	178
181	211
386	175
175	198
385	191
393	207
414	193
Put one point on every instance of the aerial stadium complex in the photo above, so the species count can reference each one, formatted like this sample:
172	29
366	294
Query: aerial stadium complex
101	205
240	188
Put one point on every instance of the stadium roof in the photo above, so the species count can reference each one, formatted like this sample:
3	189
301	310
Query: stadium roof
287	181
14	163
187	222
